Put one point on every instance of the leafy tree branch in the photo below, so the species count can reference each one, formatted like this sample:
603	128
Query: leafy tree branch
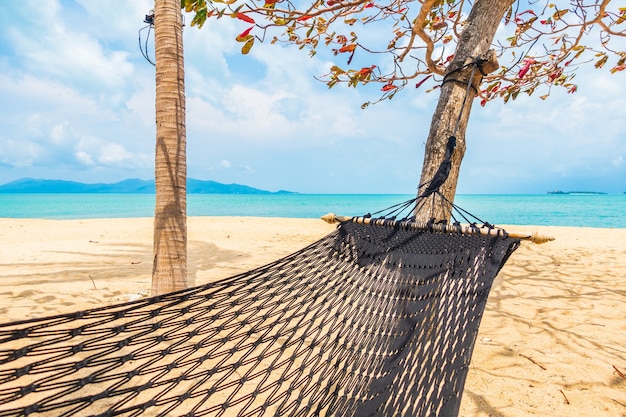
542	46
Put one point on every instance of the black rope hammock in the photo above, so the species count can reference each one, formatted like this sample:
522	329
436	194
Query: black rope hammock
379	318
374	319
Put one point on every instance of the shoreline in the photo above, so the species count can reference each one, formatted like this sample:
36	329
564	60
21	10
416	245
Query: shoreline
551	341
575	211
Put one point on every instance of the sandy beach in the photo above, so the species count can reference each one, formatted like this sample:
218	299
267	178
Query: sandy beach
552	340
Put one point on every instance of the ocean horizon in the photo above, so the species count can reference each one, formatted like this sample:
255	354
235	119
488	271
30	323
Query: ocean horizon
605	210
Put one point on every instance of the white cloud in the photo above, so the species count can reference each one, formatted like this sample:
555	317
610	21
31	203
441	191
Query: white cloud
141	103
77	98
84	158
112	19
93	150
29	93
71	56
59	133
18	153
114	154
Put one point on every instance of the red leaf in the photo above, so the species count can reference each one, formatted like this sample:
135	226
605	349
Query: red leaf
527	63
348	48
526	11
270	2
245	18
419	84
388	87
366	70
555	74
244	33
369	5
618	68
439	25
305	17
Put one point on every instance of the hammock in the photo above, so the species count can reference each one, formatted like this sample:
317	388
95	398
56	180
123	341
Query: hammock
375	319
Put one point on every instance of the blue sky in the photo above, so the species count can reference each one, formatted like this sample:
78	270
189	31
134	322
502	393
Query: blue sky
77	103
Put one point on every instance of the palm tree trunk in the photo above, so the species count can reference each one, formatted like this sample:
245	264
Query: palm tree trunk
474	42
169	271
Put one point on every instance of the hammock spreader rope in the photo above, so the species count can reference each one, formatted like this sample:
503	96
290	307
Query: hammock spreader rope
368	321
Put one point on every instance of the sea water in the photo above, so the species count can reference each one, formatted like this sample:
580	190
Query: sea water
547	209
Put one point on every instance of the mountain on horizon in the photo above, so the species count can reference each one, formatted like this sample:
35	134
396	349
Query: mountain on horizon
129	186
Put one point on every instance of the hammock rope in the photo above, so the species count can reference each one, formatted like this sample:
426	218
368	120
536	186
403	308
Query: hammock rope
372	320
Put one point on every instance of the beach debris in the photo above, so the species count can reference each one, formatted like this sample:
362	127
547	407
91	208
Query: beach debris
566	400
93	282
136	296
533	361
619	372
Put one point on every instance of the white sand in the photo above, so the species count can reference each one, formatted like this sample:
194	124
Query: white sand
552	341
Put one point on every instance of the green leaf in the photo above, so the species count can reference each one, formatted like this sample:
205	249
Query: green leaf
247	46
244	38
336	70
559	14
579	50
600	63
192	5
200	18
234	13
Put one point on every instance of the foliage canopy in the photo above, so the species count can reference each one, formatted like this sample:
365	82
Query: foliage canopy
540	44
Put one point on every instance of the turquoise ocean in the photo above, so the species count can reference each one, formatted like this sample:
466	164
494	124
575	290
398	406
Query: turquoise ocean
606	210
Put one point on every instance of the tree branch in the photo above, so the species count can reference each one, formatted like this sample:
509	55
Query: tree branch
418	30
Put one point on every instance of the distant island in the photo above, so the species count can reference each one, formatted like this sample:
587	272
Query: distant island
576	192
129	186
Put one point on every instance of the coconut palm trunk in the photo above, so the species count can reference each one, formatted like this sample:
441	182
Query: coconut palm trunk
169	271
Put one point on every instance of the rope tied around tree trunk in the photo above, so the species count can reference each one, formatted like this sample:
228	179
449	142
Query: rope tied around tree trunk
442	173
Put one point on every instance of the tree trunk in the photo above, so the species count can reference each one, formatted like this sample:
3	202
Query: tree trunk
169	271
474	42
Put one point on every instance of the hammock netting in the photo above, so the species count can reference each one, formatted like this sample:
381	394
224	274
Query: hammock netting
370	320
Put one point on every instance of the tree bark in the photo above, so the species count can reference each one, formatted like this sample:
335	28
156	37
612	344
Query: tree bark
474	42
169	270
